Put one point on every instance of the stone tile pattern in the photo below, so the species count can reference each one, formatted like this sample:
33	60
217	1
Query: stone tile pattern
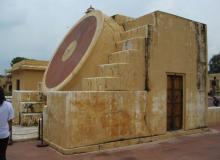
200	146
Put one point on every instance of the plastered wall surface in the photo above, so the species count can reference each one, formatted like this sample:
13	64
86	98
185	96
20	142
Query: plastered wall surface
29	79
29	73
21	101
99	117
177	46
213	115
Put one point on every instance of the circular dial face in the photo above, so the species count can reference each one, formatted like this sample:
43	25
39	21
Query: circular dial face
70	52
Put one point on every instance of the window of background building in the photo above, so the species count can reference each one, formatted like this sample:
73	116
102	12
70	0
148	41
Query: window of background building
17	84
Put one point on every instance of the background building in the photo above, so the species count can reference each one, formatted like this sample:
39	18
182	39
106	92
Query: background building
28	74
2	81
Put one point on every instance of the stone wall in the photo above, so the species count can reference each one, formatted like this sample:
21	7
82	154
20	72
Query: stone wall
178	47
28	106
213	115
77	119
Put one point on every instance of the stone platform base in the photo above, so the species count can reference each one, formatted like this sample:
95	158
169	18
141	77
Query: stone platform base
213	116
84	121
20	133
126	142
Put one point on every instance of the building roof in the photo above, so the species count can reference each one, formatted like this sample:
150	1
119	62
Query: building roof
30	65
158	12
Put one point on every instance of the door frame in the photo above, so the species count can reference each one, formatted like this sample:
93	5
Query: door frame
184	98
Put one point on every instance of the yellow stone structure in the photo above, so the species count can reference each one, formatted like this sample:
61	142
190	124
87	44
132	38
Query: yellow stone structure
27	78
28	74
28	107
2	81
5	83
116	81
213	116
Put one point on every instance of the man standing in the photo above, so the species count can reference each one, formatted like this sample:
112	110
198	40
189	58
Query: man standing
214	81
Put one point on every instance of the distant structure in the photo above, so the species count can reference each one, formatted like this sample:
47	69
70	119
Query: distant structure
8	82
2	81
27	78
28	74
5	82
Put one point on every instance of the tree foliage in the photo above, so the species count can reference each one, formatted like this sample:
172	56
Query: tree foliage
214	64
16	60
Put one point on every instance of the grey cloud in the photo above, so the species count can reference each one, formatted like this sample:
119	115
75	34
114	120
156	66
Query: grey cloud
10	23
34	28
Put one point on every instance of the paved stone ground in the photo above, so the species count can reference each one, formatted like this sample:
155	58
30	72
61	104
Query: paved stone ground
203	146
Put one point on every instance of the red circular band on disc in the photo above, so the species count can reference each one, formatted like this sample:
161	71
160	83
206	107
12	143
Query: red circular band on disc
59	70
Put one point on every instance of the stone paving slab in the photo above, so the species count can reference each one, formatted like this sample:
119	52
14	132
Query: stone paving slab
202	146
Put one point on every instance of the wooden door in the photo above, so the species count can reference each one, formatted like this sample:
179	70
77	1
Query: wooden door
174	102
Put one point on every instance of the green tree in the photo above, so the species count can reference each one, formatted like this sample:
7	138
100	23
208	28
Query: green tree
214	64
16	60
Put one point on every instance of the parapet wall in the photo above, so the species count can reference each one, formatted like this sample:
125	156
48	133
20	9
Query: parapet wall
83	121
28	106
80	119
213	116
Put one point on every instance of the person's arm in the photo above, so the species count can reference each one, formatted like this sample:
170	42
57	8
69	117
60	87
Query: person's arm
10	125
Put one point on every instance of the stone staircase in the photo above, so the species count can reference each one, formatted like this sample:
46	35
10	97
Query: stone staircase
30	112
28	106
125	70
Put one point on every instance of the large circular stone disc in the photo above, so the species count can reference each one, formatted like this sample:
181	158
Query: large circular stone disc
71	51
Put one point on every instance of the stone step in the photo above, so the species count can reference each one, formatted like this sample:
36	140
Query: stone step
102	84
126	56
31	107
112	70
29	119
23	133
133	43
141	31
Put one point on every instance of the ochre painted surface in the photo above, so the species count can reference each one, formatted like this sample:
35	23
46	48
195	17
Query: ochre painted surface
2	81
89	118
213	116
30	119
22	100
29	72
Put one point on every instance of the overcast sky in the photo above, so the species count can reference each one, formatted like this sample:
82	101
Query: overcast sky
35	28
